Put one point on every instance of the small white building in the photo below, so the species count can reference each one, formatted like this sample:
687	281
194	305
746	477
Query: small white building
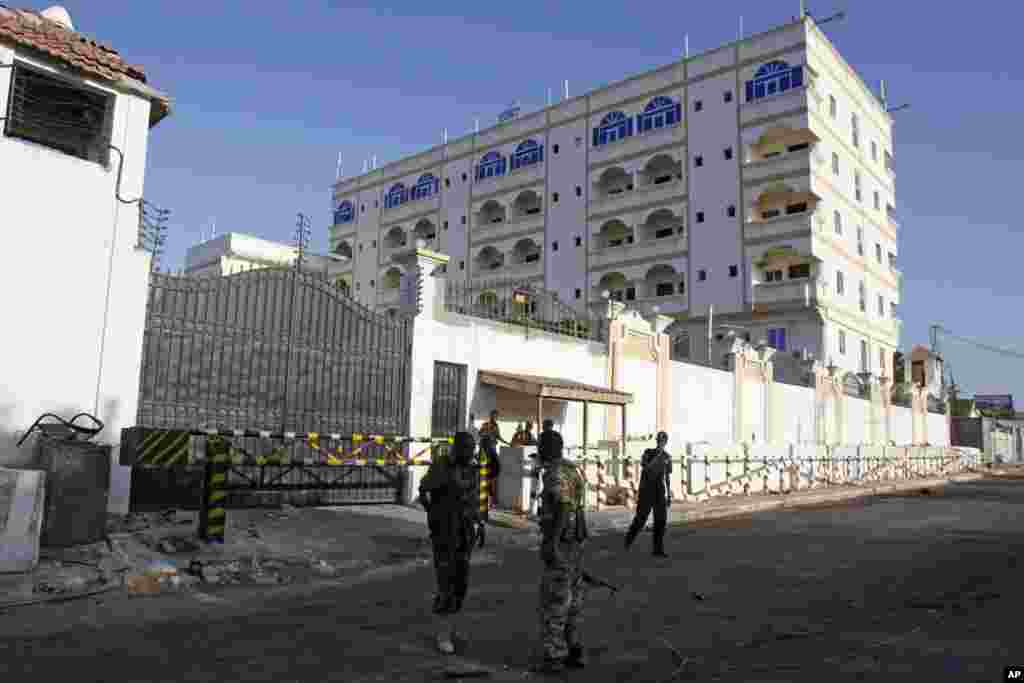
72	161
235	252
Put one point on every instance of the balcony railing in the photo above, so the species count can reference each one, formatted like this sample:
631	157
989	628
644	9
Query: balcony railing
522	303
804	292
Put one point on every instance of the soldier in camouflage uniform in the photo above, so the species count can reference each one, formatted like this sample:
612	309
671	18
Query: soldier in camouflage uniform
450	494
564	527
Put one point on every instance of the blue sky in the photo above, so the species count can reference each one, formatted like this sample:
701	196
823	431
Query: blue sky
267	94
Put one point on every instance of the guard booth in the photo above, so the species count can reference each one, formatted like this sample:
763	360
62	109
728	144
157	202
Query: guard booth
528	394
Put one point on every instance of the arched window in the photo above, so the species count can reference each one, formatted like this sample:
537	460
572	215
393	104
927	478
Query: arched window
660	112
426	186
613	126
491	164
396	196
527	154
774	78
345	213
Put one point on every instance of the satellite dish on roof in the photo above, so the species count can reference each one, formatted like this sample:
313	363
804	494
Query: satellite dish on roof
58	15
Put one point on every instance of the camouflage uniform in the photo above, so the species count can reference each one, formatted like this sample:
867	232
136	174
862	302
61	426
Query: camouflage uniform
562	588
453	517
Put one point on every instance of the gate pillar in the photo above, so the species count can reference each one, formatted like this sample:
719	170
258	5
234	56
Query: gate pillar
422	296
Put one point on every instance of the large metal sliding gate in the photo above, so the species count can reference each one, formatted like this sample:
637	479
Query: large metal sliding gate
272	350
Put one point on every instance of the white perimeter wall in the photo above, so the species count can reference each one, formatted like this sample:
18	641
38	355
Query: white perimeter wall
702	404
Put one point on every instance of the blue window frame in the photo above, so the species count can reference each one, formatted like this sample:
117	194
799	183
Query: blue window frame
614	126
425	187
777	338
396	196
345	213
527	154
661	112
774	78
491	164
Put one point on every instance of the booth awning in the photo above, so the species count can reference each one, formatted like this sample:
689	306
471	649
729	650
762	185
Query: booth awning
554	387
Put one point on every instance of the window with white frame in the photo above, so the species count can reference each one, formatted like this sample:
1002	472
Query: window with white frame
878	252
396	196
660	112
837	222
774	78
527	153
835	163
882	361
832	106
345	213
856	186
426	186
862	291
842	342
840	284
860	241
614	126
865	365
874	151
491	164
881	306
878	201
855	130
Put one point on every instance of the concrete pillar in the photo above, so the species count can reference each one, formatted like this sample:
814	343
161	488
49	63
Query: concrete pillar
616	348
885	398
765	354
422	299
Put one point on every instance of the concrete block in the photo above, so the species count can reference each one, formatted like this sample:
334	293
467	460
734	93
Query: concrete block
22	500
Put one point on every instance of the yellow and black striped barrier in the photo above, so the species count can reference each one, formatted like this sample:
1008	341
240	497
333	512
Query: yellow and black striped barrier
484	486
212	514
170	448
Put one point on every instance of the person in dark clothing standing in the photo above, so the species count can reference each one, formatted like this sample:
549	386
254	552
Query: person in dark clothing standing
655	494
450	494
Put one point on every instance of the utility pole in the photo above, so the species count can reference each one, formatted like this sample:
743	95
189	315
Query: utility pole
302	232
152	231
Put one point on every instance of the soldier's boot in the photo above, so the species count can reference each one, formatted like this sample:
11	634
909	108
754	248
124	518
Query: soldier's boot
631	536
577	658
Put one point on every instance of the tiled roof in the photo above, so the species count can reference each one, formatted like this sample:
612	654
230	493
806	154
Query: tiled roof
30	29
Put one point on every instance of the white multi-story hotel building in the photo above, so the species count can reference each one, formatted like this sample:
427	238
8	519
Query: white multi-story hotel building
755	179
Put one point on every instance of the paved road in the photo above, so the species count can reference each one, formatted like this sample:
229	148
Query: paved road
921	586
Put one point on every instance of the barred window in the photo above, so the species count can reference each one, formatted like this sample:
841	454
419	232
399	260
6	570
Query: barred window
59	114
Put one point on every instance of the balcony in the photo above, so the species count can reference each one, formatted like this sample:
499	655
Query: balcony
646	248
640	195
411	208
523	269
780	227
800	293
638	143
483	225
802	161
794	98
667	305
534	173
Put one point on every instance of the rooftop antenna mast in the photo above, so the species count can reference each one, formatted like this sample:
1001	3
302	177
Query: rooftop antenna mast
337	172
741	27
567	88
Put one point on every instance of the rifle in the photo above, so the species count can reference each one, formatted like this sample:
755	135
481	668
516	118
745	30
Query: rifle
600	583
